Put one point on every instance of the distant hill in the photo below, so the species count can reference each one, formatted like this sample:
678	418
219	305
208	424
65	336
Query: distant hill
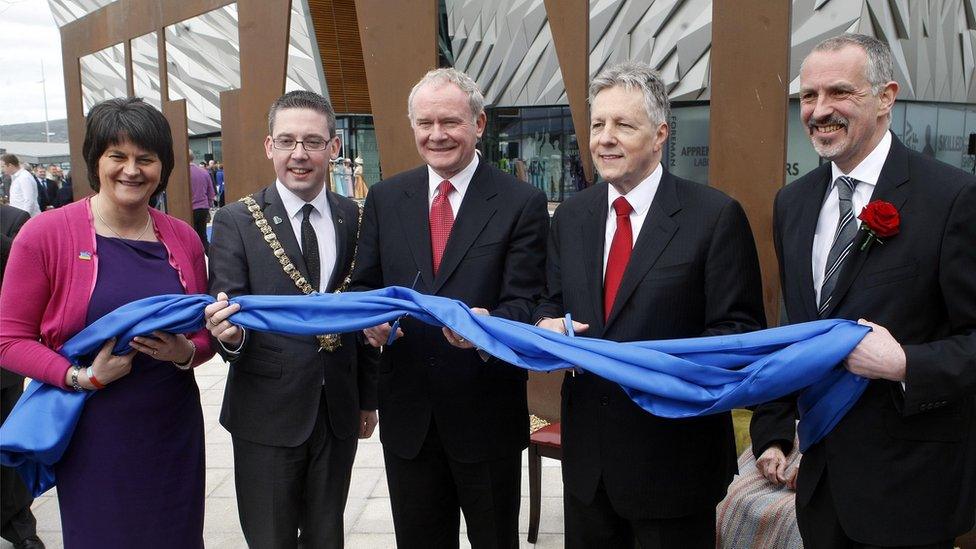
34	131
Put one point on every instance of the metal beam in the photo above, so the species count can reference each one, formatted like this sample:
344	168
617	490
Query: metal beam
399	47
569	21
748	117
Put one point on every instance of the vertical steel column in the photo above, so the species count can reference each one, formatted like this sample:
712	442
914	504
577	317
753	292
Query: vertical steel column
750	63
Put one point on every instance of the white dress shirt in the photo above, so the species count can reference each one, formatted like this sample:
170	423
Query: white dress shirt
23	192
321	220
867	172
640	198
460	181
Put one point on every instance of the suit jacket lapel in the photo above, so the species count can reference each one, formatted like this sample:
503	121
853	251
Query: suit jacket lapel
415	226
593	228
341	223
655	234
471	218
810	203
273	208
892	187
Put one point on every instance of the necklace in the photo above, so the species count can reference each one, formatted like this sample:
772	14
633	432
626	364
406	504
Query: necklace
116	233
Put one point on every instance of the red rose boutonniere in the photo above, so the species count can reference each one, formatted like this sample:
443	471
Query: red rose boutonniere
880	220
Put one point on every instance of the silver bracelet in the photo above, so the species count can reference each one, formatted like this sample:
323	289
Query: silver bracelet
186	365
74	379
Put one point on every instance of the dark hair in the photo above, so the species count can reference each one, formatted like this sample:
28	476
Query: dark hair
303	99
131	119
10	159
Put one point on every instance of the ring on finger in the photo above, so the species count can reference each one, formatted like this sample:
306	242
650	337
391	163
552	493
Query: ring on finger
154	352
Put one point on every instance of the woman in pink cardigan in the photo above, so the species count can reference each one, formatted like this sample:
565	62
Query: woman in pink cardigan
133	474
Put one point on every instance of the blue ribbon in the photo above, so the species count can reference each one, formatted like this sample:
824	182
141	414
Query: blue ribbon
672	378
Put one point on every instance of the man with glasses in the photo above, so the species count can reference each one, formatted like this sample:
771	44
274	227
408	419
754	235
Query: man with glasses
294	405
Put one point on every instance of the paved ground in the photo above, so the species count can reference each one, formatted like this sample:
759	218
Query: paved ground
368	521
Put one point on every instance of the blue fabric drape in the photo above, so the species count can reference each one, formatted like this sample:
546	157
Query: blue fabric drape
672	378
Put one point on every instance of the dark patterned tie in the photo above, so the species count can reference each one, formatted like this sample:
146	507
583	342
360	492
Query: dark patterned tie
620	248
310	248
843	241
441	222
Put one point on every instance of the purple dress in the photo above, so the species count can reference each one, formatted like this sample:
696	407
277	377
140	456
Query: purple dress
133	474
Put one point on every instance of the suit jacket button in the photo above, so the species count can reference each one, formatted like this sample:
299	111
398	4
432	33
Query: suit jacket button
604	400
431	361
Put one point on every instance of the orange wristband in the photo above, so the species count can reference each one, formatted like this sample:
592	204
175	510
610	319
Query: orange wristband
92	379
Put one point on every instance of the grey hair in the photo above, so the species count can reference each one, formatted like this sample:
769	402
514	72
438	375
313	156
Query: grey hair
634	75
878	69
303	99
476	100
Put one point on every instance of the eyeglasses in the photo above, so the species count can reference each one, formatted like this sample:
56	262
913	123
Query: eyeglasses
289	144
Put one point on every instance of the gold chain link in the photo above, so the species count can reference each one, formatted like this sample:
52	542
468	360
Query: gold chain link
327	342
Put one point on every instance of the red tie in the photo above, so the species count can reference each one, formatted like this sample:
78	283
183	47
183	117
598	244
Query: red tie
623	241
441	221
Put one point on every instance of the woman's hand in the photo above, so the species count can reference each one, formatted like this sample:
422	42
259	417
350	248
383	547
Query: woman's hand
164	346
106	366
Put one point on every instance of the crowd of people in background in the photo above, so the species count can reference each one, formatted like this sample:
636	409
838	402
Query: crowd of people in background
23	185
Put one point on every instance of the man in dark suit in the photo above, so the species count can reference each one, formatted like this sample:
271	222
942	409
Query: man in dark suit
18	524
644	255
900	468
294	405
455	422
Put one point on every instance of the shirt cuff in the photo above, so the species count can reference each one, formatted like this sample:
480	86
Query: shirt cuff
239	348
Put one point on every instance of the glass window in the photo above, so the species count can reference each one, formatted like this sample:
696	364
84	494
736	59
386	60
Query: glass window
537	145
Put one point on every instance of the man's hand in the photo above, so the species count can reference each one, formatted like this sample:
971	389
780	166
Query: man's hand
216	314
772	465
377	336
367	422
877	356
558	325
455	339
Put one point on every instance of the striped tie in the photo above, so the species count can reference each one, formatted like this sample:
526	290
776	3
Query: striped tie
843	241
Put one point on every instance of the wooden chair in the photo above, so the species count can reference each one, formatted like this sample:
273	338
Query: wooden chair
544	440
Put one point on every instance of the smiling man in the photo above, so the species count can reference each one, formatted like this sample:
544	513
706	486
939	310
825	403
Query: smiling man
899	470
454	424
294	406
644	255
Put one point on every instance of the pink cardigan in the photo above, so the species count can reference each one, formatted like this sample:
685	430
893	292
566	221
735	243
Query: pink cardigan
50	278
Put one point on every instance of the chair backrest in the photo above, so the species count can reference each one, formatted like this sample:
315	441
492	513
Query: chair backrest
544	395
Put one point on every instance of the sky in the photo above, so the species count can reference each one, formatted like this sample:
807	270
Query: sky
29	38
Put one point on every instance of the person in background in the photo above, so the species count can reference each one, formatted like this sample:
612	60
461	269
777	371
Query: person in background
17	522
40	176
133	473
65	192
51	184
23	186
201	198
219	187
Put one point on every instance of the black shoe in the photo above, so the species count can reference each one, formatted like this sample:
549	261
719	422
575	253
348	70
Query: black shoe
32	542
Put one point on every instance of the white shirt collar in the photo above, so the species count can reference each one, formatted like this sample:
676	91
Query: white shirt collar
460	180
293	204
641	196
869	170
